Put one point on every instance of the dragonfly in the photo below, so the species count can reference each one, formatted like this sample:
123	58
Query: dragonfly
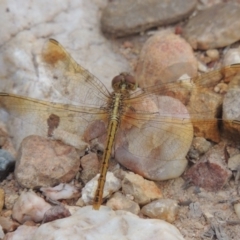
128	114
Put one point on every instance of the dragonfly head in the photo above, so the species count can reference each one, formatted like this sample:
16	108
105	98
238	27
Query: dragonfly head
124	83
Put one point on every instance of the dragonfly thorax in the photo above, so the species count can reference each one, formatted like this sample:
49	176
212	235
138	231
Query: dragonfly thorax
124	83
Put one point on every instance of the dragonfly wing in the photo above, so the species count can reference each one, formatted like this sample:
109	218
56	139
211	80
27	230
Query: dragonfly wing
179	88
71	80
156	140
60	121
156	132
200	97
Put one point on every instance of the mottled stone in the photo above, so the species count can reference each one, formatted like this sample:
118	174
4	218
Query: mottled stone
120	18
142	190
210	172
120	202
165	209
214	27
43	162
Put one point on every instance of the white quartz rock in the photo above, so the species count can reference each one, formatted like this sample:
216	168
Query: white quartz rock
61	191
22	233
111	185
107	225
29	206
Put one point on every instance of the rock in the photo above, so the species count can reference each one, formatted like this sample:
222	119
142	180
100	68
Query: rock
21	54
221	88
143	191
195	210
237	209
120	202
10	199
231	111
203	115
56	212
29	206
210	172
8	225
156	148
90	167
2	196
213	54
234	162
231	56
61	191
5	140
162	61
165	209
23	232
112	185
199	146
213	28
208	216
1	233
7	163
121	18
72	209
43	162
88	222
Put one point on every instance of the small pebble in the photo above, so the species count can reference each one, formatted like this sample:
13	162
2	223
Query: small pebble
237	209
213	54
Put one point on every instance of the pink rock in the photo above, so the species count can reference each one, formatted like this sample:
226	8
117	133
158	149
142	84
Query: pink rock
142	190
210	172
43	162
30	206
56	212
165	58
156	148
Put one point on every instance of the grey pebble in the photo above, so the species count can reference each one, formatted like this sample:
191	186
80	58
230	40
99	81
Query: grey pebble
121	18
215	27
7	163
